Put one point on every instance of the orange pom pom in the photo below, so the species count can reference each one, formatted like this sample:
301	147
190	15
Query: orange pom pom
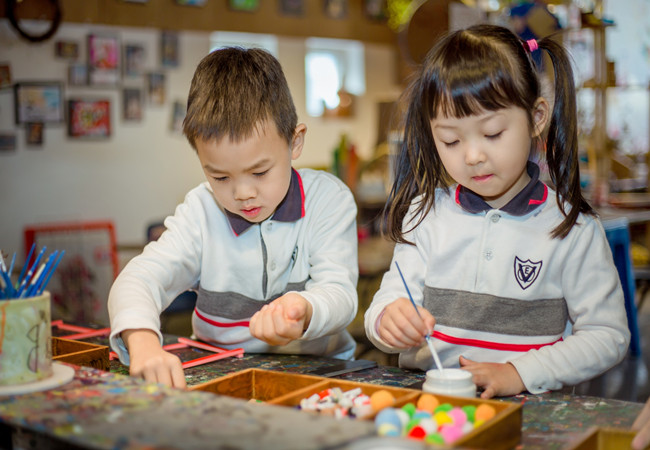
428	403
484	412
381	399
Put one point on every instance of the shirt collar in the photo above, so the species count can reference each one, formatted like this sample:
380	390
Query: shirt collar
527	200
290	209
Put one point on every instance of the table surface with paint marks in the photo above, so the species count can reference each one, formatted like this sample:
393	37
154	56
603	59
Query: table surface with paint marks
111	410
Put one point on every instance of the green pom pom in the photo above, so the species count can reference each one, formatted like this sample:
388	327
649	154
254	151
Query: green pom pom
434	438
445	407
470	410
409	409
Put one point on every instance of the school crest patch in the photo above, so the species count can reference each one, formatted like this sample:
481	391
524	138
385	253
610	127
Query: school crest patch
526	272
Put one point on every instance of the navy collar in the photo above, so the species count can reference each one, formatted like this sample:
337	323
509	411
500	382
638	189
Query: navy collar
527	200
290	209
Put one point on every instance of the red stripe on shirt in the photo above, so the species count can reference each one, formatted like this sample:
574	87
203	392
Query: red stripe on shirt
488	344
302	194
539	202
221	324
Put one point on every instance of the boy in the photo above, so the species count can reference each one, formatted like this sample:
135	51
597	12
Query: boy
271	250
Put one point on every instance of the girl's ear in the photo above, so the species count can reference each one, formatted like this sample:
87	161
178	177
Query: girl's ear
298	140
541	113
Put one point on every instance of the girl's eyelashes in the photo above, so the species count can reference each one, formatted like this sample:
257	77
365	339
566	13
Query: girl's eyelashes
494	136
450	144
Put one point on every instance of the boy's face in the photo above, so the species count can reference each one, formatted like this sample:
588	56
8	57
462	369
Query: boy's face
251	177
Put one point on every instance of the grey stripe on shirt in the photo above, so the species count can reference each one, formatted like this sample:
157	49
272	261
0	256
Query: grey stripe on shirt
235	306
493	314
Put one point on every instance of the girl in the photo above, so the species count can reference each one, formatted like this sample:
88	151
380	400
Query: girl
518	279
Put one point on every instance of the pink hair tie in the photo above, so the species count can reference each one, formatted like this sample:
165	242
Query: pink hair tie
532	45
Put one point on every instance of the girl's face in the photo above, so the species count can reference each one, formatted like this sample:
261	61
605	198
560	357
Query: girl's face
251	177
487	152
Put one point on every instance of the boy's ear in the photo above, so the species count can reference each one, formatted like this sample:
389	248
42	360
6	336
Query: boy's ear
541	114
298	140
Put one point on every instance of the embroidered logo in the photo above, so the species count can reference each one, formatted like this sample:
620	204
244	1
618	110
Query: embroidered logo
526	272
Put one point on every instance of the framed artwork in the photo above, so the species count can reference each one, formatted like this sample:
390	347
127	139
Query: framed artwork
244	5
78	75
156	88
34	136
169	49
7	142
376	9
5	75
67	49
38	102
292	7
133	60
336	9
88	118
103	60
178	115
132	104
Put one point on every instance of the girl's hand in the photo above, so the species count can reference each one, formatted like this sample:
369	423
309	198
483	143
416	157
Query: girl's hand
642	425
281	321
497	379
401	327
150	362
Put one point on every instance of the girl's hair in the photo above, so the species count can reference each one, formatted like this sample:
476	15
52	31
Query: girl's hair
483	68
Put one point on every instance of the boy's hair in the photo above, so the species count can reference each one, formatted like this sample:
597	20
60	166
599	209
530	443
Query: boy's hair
233	91
483	68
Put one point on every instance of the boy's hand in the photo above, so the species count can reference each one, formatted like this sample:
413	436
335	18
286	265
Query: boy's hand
642	425
401	327
150	362
497	379
283	320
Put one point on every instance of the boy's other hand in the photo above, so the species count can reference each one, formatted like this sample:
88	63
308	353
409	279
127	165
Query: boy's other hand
497	379
401	327
150	362
283	320
642	425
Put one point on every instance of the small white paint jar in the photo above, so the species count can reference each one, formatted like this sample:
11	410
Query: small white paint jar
454	382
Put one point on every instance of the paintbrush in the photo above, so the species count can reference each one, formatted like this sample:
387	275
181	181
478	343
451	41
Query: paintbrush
432	349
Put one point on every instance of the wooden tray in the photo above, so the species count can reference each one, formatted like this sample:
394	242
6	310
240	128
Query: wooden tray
600	438
503	431
257	384
80	353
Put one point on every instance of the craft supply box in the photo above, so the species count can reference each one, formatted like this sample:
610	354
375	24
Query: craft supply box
503	431
80	353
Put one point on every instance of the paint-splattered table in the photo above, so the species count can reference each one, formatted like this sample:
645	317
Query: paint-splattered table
112	410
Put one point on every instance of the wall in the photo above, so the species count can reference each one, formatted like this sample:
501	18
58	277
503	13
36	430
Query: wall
144	169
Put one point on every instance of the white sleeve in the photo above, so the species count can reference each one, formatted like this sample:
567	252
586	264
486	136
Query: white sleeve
152	280
600	334
334	269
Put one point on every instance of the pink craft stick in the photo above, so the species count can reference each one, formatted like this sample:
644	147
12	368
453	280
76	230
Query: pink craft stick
88	334
65	326
238	352
175	346
201	345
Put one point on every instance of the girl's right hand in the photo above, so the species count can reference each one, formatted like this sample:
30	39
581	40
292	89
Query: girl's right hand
401	327
150	362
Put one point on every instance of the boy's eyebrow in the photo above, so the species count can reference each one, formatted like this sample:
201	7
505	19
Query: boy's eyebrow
257	165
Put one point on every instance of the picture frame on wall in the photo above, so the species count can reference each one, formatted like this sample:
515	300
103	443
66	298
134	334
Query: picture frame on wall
156	88
292	7
169	53
89	118
103	60
5	75
67	49
78	75
38	101
336	9
376	9
244	5
132	104
178	115
34	134
134	57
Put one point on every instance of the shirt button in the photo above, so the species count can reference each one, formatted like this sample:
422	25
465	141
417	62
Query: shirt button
488	254
495	218
269	225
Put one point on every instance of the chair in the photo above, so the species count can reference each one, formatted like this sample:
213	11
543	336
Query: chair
618	236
